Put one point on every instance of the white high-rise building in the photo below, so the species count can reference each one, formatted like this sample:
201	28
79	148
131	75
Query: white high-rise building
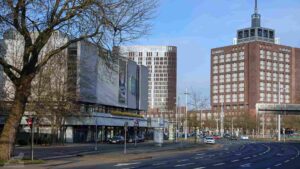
162	65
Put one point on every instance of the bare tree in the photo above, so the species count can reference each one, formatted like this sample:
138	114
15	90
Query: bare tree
198	103
103	22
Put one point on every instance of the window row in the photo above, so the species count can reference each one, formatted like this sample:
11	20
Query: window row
229	68
274	77
228	88
274	56
274	98
229	78
228	58
274	87
229	98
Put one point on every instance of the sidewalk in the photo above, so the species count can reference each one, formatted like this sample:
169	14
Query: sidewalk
142	152
73	150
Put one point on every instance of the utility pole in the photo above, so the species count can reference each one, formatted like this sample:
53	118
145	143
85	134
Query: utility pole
231	126
222	120
186	110
176	121
263	127
96	134
279	102
217	120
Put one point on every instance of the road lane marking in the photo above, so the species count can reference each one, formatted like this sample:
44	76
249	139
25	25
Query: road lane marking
183	160
199	168
286	161
246	165
245	158
125	164
161	163
182	165
277	165
196	158
218	164
200	154
233	161
238	154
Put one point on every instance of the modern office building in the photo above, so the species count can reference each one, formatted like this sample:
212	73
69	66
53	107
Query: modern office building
162	65
255	70
104	94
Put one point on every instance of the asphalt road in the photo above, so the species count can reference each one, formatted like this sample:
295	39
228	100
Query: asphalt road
248	155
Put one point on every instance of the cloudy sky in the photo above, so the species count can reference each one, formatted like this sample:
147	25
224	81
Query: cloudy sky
196	26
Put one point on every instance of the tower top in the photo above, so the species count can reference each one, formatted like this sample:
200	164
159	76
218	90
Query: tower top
256	17
256	32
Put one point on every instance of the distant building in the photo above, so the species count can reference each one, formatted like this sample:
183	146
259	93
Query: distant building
162	65
253	71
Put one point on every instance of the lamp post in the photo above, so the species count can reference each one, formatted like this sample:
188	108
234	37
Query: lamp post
186	110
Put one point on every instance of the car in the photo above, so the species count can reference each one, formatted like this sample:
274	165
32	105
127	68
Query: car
227	136
233	138
209	140
116	140
216	137
244	137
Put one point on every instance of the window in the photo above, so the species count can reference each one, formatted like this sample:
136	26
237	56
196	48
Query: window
241	97
275	87
268	76
215	79
228	88
262	97
221	68
234	77
275	98
234	67
269	87
234	98
221	88
275	75
221	98
228	98
228	68
228	58
275	67
241	77
262	75
287	58
262	64
241	56
241	87
262	86
222	59
228	78
221	78
269	97
234	87
269	65
241	66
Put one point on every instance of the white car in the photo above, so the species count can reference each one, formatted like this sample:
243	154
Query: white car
209	140
244	138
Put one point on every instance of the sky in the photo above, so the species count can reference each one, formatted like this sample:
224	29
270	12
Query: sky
197	26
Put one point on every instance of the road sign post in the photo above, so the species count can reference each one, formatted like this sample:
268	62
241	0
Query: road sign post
125	128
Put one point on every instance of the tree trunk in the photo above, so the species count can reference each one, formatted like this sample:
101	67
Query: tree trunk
8	135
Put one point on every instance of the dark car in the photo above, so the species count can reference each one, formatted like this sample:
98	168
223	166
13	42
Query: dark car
227	136
116	140
233	138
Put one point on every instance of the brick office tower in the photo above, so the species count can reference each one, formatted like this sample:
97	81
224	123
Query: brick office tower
162	66
251	72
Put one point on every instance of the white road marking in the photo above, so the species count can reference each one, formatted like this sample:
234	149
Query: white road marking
254	156
245	158
218	164
196	158
182	165
233	161
125	164
199	168
277	165
183	160
238	154
161	163
200	154
286	161
246	165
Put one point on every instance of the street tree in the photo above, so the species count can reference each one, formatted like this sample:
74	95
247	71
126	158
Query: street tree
198	103
103	22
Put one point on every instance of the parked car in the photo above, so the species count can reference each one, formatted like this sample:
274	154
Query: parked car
116	140
216	137
227	136
233	138
209	140
244	137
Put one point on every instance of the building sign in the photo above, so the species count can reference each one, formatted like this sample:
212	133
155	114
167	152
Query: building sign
122	82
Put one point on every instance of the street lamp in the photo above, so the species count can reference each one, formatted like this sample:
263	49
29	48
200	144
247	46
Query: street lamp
279	102
186	109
